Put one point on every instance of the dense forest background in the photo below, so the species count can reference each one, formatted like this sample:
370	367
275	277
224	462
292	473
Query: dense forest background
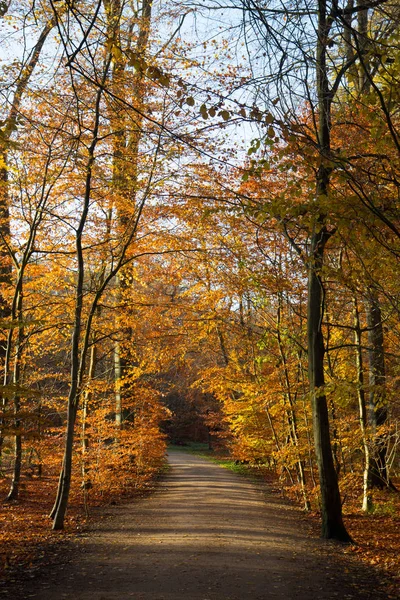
200	241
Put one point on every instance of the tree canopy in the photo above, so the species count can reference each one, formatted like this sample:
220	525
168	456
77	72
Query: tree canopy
199	240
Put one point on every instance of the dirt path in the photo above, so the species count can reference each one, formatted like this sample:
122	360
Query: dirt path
206	534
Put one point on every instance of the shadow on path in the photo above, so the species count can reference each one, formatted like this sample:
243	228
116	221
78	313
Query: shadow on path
206	534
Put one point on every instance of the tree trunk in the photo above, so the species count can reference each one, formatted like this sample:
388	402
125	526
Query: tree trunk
290	411
5	274
126	143
118	366
378	413
362	407
86	481
9	125
64	484
78	350
331	507
14	489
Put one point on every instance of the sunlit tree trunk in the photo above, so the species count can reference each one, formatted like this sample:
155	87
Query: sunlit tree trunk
362	408
126	141
87	398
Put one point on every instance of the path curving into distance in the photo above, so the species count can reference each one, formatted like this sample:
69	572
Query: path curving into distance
205	534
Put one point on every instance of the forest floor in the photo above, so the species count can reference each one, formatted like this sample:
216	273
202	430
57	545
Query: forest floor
205	534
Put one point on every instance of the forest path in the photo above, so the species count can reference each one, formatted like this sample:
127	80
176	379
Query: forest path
206	534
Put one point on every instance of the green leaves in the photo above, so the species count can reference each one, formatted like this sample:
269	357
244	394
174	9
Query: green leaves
255	144
203	111
257	167
225	115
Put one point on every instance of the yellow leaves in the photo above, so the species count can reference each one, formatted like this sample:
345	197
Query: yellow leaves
112	46
117	53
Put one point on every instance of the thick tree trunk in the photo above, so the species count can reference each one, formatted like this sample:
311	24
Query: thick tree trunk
331	507
126	164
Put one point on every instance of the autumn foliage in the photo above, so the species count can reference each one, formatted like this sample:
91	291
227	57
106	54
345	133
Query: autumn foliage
158	274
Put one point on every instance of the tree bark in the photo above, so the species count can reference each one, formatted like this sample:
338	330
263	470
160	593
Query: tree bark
5	228
362	408
78	355
331	507
378	411
14	488
291	412
126	165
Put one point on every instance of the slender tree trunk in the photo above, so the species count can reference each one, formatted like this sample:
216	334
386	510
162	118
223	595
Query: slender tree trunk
9	126
87	397
291	413
337	446
65	475
5	275
118	366
78	355
14	489
362	408
378	412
